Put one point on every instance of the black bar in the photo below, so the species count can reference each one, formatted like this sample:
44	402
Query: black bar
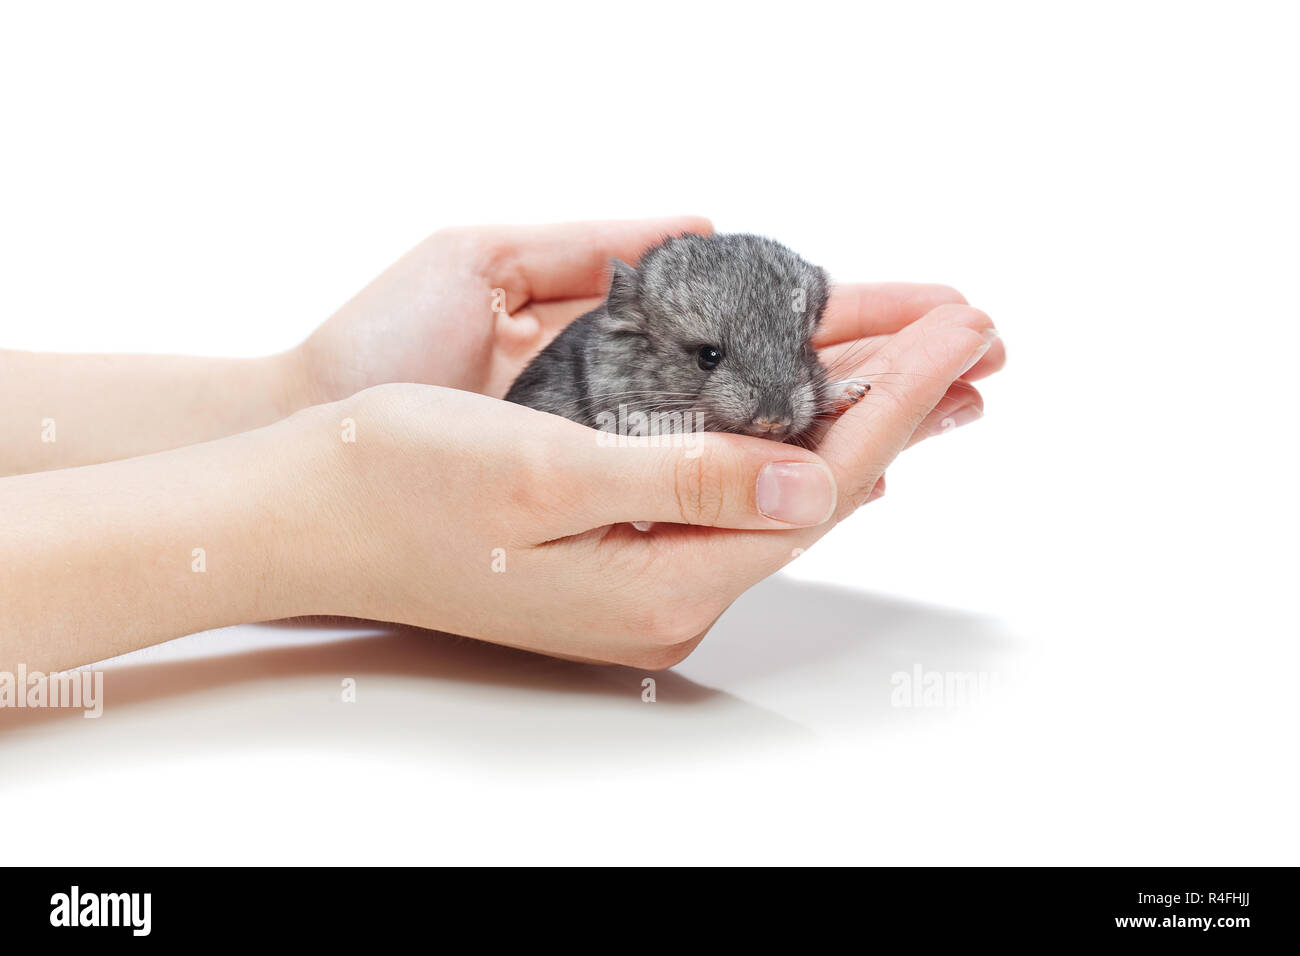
1233	908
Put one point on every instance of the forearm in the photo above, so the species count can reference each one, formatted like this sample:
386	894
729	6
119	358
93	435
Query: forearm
100	560
60	411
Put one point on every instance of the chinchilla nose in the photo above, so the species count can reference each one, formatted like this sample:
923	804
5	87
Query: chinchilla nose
770	425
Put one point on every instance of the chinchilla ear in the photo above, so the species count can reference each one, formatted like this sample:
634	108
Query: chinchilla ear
624	300
811	300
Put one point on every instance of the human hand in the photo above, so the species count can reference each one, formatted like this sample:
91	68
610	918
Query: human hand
428	319
469	307
405	522
499	522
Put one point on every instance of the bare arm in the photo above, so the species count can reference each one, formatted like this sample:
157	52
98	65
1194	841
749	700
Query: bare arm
59	411
99	560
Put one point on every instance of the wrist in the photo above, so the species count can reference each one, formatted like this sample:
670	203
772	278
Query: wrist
368	458
291	383
309	518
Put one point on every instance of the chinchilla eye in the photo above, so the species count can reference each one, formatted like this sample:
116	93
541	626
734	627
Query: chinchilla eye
709	357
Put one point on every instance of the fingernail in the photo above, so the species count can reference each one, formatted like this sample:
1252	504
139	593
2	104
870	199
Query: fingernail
979	354
962	416
796	492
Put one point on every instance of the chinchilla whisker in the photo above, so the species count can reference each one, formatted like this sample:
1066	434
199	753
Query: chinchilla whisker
858	350
855	348
614	397
645	391
637	409
602	403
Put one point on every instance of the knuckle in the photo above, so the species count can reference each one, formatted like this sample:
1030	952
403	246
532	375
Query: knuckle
948	311
947	295
698	487
860	489
857	498
489	252
457	238
497	256
959	313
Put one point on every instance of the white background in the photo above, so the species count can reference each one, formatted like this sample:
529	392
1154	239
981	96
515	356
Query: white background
1114	183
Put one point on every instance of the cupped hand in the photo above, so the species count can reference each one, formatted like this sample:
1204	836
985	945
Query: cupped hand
495	521
469	307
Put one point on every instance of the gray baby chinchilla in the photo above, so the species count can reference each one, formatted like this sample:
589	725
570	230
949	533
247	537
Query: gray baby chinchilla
713	330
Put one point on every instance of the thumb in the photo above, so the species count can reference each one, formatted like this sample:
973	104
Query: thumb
719	480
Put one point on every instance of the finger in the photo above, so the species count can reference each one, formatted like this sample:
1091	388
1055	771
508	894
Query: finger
961	405
860	310
710	479
914	370
919	364
845	359
993	361
910	375
570	260
545	320
521	336
532	328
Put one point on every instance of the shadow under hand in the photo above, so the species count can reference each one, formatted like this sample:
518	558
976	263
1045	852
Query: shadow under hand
831	657
788	657
419	694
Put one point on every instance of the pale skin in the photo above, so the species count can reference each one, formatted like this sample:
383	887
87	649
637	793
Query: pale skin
451	509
